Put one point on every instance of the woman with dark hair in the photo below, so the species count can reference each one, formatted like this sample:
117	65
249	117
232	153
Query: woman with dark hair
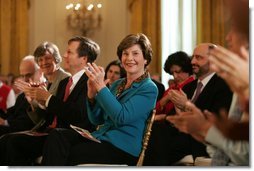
179	65
114	71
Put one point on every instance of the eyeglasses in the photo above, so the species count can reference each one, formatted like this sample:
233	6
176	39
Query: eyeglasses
27	76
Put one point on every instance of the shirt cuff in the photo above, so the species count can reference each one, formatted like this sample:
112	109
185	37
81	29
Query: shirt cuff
214	136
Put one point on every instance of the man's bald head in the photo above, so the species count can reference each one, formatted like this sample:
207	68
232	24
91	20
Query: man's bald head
200	62
28	68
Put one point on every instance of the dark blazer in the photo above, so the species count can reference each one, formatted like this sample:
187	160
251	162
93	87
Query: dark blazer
73	110
215	95
18	118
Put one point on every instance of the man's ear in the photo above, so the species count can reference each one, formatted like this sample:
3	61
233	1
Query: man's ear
84	59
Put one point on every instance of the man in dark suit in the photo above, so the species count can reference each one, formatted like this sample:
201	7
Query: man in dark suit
214	95
17	116
67	107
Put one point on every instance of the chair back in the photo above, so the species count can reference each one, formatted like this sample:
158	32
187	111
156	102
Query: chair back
146	137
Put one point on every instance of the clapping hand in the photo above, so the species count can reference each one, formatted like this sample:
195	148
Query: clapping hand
234	69
96	79
179	98
33	91
193	121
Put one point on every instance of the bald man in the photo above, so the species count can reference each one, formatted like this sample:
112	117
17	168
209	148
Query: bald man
167	145
17	119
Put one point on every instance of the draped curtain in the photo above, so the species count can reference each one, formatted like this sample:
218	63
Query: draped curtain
145	17
211	22
13	34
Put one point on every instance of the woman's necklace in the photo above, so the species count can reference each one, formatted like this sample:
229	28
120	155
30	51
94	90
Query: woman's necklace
124	86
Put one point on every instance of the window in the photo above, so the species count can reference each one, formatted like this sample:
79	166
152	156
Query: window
178	29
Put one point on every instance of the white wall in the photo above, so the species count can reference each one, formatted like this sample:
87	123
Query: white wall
47	22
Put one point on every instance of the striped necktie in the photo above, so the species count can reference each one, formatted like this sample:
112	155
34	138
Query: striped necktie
198	91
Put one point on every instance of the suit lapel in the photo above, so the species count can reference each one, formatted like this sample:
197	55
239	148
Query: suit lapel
190	88
61	88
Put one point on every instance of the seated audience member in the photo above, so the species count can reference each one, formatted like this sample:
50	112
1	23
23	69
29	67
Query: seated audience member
65	108
7	97
117	109
213	95
179	65
17	116
48	58
114	71
226	63
234	67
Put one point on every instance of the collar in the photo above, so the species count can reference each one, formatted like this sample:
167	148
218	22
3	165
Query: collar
206	79
77	76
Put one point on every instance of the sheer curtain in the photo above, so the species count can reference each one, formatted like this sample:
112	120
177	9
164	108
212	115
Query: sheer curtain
13	34
178	29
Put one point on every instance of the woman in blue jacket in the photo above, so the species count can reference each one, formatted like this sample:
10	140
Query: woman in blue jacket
119	112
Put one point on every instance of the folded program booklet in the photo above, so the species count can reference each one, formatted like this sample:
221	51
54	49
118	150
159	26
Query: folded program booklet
85	133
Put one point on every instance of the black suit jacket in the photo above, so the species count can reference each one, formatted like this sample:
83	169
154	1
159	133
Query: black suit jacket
73	110
17	116
215	95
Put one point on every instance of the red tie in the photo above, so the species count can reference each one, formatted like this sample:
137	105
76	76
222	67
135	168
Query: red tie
66	95
67	89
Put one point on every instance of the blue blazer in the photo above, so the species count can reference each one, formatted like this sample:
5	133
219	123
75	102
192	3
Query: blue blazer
123	118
